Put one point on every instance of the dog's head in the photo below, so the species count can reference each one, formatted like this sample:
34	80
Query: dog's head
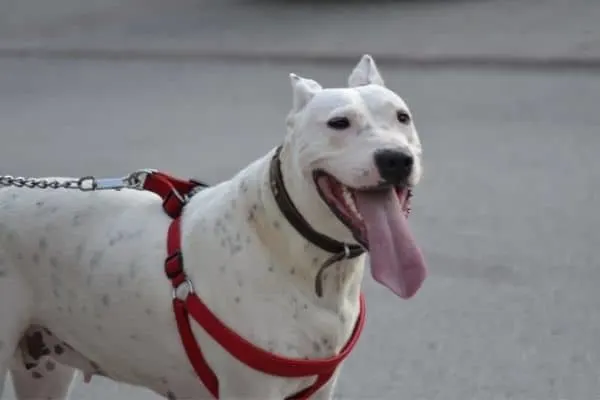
359	149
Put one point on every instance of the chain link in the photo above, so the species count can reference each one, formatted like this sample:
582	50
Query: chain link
84	184
134	180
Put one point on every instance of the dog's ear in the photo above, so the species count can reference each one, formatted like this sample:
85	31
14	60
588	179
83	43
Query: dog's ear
304	90
365	73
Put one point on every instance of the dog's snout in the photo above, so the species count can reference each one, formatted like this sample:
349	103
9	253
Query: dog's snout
394	166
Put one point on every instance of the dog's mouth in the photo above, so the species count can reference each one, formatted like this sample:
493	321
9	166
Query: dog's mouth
342	201
376	216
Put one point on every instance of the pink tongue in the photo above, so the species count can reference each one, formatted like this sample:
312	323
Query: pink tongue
396	261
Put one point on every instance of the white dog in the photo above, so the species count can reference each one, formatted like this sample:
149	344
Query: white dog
276	253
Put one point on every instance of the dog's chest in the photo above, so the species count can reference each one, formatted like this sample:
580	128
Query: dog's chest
242	271
263	304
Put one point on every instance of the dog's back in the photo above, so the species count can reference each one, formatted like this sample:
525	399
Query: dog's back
84	265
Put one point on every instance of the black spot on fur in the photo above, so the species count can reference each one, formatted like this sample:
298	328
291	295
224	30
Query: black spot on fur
50	366
316	347
58	350
96	258
36	375
36	346
78	251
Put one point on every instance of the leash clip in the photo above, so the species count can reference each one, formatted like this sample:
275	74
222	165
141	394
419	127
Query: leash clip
136	179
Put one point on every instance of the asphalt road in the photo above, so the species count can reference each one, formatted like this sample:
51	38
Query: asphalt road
507	213
457	31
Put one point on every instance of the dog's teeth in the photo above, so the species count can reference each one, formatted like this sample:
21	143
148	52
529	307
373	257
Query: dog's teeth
350	202
347	195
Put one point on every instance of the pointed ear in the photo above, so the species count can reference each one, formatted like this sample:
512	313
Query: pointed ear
304	90
365	73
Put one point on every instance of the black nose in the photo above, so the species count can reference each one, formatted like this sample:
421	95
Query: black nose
394	166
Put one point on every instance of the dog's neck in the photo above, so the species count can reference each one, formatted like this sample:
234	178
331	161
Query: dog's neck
300	257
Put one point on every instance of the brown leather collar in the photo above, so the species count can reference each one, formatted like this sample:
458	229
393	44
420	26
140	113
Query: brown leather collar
341	250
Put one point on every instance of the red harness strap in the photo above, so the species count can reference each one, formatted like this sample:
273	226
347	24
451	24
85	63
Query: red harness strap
174	193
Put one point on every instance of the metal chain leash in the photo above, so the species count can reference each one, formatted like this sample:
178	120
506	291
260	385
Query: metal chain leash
134	180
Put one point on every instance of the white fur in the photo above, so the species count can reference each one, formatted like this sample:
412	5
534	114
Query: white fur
89	266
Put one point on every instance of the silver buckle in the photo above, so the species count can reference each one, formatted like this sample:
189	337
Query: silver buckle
346	251
136	179
188	289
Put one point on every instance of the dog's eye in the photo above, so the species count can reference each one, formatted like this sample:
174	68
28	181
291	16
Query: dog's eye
339	123
403	117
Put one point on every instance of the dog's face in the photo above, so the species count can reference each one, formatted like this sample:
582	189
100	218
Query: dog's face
360	147
343	129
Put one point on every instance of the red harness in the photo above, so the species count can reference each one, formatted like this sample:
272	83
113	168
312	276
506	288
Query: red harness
174	193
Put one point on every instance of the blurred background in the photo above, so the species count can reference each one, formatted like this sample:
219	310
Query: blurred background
506	97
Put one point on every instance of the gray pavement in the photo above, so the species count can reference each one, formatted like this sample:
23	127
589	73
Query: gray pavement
507	213
544	33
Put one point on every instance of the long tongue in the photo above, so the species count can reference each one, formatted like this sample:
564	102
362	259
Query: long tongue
396	261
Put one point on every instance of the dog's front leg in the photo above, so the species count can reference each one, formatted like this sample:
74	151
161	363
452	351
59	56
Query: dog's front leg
261	389
239	382
243	389
326	392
